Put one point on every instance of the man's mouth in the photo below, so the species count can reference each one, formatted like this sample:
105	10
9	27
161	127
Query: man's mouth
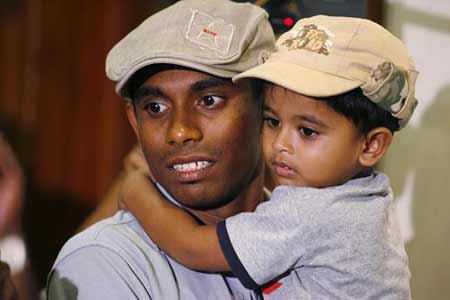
192	166
191	169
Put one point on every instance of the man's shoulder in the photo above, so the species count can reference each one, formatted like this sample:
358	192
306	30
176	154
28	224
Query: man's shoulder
115	259
112	259
117	234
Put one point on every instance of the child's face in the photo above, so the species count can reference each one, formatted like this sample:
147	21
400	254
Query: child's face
306	142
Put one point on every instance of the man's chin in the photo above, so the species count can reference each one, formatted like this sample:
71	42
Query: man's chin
199	198
199	202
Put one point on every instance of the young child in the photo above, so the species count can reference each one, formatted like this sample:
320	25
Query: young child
337	89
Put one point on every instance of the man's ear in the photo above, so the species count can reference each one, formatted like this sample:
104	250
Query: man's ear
132	118
376	143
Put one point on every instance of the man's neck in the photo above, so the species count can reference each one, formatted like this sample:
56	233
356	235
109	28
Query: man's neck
246	201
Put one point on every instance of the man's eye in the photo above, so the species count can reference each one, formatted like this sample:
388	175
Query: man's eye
308	132
155	107
211	101
271	122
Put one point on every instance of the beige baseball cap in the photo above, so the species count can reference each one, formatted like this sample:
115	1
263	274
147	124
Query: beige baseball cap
219	37
326	56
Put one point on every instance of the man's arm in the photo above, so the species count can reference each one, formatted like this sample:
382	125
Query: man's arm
174	230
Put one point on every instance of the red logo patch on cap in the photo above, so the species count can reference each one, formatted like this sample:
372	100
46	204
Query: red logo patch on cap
210	32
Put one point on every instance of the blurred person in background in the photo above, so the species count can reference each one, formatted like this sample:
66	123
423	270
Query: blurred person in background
7	289
14	267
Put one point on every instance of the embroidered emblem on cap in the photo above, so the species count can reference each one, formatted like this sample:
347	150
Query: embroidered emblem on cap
310	37
210	32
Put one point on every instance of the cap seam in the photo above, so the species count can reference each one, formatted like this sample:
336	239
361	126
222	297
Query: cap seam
344	58
253	29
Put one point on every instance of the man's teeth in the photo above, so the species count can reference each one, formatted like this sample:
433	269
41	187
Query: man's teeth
193	166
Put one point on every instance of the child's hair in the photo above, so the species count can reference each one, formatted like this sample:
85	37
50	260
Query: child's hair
365	114
355	106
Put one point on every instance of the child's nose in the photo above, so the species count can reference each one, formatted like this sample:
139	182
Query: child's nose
283	142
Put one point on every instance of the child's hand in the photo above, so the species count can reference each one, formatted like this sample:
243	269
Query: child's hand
137	188
133	181
135	161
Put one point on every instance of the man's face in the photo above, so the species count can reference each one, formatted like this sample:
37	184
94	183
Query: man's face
200	135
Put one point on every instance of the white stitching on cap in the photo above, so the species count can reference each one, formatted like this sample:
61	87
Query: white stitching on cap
210	32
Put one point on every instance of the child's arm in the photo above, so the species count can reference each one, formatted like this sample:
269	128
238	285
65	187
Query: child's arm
171	228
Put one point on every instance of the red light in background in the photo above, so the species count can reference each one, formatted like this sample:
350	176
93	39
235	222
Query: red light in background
288	21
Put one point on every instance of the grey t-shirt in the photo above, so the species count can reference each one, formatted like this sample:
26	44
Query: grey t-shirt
339	242
115	259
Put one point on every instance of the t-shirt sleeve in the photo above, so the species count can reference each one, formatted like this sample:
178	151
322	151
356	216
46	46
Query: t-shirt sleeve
94	272
265	244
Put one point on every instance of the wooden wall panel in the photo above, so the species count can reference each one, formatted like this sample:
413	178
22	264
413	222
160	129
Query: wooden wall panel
55	95
12	30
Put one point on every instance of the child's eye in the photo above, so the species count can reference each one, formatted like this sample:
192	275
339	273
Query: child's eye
271	122
308	132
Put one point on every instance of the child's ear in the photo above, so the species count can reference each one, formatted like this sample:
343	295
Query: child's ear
376	143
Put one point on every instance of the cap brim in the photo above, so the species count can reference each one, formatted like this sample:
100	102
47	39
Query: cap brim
172	61
301	80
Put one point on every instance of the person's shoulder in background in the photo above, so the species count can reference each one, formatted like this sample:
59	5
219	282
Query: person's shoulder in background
7	289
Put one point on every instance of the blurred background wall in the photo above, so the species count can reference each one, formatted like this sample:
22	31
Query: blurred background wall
62	117
419	159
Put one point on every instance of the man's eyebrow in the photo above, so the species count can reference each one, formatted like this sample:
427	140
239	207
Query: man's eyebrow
210	83
146	91
268	108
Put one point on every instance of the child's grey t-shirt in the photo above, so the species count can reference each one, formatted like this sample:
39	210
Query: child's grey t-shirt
339	242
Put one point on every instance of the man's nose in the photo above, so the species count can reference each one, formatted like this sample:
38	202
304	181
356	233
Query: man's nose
282	141
183	129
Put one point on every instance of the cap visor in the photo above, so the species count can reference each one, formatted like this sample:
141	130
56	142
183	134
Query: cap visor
301	80
171	61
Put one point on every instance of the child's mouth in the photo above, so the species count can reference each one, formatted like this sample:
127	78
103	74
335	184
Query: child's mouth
282	169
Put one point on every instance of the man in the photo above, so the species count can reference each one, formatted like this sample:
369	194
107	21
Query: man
200	135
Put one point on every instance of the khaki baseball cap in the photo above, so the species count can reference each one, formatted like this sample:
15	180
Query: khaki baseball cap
219	37
326	56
